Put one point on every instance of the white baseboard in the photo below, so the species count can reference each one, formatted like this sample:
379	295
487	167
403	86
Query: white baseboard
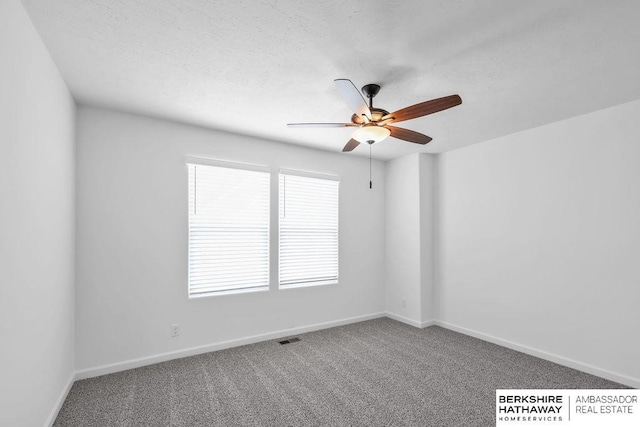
192	351
560	360
427	323
408	321
60	401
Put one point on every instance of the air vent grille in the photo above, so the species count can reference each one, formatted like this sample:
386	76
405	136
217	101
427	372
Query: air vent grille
289	341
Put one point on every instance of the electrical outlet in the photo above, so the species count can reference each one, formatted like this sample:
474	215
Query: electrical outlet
174	330
404	302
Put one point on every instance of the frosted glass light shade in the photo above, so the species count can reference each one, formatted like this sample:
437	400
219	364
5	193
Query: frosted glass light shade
371	132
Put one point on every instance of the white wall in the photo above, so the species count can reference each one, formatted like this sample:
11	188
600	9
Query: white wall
402	238
428	189
36	225
132	240
540	239
409	238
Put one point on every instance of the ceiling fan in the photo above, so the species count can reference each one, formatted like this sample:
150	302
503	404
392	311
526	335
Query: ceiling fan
374	123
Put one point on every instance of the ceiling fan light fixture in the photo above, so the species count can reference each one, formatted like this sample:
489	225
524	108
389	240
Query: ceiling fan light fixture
371	132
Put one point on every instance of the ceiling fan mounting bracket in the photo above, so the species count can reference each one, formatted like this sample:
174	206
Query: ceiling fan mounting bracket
370	90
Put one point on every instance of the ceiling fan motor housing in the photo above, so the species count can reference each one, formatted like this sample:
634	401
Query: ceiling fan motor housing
376	115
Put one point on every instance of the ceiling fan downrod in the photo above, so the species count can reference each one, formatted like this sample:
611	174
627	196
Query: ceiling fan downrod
370	91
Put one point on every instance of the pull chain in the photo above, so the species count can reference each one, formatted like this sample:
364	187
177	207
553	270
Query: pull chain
370	184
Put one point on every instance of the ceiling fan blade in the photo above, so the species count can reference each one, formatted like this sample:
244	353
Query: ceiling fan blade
351	145
321	125
425	108
409	135
353	98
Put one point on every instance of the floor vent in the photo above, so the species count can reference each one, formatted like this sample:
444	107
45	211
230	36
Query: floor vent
289	341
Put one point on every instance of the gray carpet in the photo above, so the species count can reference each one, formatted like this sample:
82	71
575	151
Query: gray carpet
375	373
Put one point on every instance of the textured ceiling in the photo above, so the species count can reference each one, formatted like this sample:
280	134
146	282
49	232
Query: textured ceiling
252	66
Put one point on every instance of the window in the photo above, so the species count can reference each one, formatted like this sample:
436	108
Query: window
228	229
308	230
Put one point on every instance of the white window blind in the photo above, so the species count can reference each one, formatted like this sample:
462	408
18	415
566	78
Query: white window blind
228	230
308	231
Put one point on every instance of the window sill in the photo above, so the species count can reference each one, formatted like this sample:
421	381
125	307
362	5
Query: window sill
230	292
307	285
